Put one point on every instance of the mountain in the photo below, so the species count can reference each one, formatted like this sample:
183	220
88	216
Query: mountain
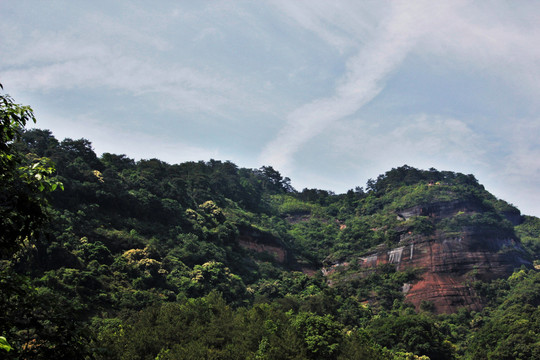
463	240
444	227
131	241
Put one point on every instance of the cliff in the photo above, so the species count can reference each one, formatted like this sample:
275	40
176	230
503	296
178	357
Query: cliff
264	243
447	261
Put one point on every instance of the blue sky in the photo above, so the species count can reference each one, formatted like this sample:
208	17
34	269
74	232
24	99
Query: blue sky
330	93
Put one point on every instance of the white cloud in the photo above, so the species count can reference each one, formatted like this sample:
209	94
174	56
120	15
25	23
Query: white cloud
326	19
366	72
358	149
497	39
183	87
522	161
421	140
459	33
138	35
117	139
513	173
63	63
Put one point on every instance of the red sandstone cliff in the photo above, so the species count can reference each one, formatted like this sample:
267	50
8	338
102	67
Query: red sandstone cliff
446	261
262	242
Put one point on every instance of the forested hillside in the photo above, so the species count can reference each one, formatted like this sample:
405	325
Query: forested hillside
112	258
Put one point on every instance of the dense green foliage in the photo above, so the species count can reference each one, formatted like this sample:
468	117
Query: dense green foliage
24	177
144	260
529	233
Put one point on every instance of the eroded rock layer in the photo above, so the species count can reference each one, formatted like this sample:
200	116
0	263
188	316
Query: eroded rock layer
261	242
448	262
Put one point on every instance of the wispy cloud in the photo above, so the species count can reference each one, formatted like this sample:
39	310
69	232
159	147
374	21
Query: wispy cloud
364	78
421	140
67	66
129	57
459	33
342	24
513	174
496	39
367	147
522	161
117	139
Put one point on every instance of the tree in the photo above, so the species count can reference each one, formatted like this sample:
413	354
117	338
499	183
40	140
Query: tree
4	345
39	323
321	334
273	181
511	331
413	333
214	276
24	179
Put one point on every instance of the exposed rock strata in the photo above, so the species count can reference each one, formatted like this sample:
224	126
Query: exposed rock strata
265	243
447	262
261	242
441	209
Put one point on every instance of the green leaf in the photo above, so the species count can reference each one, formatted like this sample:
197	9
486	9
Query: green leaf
4	344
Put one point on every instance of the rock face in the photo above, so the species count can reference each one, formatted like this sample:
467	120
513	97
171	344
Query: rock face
261	242
447	261
442	209
265	243
513	217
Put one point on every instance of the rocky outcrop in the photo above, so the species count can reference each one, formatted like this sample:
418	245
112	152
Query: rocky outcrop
262	242
299	216
441	209
513	216
446	262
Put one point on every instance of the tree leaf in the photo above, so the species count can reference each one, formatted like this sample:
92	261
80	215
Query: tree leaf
4	345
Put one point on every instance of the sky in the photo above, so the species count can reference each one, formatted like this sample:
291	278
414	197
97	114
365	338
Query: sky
329	93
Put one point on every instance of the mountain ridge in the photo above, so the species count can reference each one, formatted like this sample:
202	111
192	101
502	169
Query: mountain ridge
130	238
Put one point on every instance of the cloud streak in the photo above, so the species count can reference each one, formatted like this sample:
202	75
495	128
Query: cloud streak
188	88
103	54
364	78
458	34
116	139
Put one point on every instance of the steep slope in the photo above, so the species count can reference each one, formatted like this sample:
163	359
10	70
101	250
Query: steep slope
442	229
204	259
452	237
449	261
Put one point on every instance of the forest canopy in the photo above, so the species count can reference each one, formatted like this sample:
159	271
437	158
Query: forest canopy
105	257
